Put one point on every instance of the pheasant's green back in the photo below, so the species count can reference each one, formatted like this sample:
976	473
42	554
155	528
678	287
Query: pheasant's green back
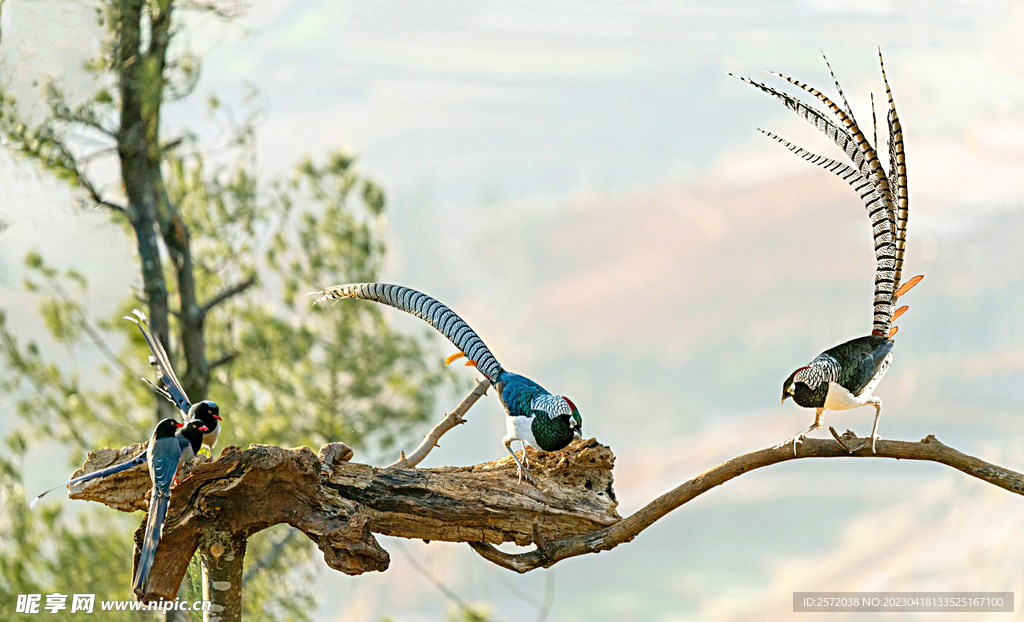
859	360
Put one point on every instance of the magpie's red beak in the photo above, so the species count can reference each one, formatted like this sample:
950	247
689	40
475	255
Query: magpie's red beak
179	425
203	428
217	417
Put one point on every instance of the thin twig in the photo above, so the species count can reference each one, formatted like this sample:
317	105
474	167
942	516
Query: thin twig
426	574
450	420
839	439
223	360
228	293
270	556
96	338
928	449
549	595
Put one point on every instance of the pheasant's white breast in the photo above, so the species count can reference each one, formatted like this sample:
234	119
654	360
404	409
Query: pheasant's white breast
520	429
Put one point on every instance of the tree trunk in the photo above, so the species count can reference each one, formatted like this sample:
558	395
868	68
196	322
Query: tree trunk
222	554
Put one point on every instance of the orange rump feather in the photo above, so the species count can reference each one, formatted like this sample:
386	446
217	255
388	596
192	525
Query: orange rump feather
899	312
909	284
451	359
893	330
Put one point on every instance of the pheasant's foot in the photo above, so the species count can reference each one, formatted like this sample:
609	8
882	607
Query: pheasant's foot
868	442
523	471
796	438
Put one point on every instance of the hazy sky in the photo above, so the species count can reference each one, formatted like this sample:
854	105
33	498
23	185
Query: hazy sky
584	184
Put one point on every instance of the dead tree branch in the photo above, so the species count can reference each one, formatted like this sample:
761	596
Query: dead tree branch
450	420
929	449
340	505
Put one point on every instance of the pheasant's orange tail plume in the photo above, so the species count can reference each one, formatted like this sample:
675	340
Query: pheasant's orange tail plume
451	359
899	312
908	285
893	330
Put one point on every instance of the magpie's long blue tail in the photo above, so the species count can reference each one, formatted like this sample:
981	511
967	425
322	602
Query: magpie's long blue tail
154	526
117	468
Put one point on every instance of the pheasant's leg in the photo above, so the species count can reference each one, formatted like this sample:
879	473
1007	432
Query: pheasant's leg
799	437
874	428
522	470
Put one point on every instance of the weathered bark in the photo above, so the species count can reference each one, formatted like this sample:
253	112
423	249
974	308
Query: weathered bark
222	554
340	505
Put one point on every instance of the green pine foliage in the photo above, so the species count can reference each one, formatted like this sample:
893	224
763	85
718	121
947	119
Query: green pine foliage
283	372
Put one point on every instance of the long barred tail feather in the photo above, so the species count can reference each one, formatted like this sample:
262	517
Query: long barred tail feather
874	129
867	157
431	311
885	249
882	194
897	175
835	81
816	118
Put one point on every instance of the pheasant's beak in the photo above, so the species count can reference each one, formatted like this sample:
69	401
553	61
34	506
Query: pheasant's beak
785	397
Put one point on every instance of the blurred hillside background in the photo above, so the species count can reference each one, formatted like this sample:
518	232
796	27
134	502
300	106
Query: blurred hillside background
584	185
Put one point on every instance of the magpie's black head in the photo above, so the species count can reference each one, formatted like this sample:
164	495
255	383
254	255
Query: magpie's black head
166	428
206	411
194	430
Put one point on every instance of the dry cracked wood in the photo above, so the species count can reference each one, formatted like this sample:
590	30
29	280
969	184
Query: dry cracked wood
340	505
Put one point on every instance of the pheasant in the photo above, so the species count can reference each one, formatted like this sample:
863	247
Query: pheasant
535	416
846	376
